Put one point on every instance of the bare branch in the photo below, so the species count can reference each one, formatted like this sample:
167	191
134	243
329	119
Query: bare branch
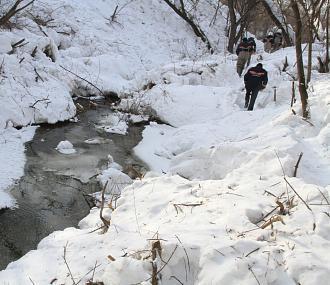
13	11
297	194
296	166
67	265
106	223
183	14
83	79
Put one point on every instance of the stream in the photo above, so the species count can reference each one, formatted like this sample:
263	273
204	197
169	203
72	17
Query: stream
51	195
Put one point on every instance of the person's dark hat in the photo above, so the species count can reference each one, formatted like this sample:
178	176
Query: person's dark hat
259	64
244	39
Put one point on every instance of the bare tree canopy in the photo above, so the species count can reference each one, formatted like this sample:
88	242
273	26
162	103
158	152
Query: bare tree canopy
13	11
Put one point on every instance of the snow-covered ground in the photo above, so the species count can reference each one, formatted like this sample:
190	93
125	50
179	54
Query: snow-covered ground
218	173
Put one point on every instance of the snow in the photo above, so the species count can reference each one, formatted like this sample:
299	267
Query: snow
65	147
217	172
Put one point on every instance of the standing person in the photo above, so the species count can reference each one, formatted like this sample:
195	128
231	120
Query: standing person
268	42
242	51
278	38
255	80
253	48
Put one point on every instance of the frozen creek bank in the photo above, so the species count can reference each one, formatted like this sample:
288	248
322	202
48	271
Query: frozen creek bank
52	194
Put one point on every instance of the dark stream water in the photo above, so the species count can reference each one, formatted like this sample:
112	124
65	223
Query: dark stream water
52	193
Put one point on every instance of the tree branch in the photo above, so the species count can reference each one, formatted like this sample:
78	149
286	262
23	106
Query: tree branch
183	14
13	11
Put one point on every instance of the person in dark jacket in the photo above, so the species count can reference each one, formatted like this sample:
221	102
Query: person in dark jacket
278	38
253	48
268	42
243	51
255	80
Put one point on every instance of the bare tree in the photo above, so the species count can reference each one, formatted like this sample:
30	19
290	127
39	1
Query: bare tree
312	15
244	9
182	12
300	63
278	23
13	11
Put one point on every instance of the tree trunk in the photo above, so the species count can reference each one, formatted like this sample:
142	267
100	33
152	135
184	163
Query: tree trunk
277	23
299	57
327	41
183	14
309	64
235	35
233	27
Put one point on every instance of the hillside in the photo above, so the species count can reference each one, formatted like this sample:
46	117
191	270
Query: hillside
225	197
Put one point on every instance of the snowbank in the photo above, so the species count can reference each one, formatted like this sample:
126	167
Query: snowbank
226	198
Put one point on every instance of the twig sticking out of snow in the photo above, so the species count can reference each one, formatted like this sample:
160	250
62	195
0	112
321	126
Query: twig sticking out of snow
280	204
106	223
83	79
67	265
272	220
254	274
297	194
325	198
296	166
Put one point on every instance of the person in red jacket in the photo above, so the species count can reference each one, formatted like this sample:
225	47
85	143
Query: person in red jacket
242	51
268	42
253	48
278	38
255	80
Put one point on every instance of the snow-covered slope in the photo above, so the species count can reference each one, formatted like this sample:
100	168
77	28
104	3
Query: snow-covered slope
221	198
78	49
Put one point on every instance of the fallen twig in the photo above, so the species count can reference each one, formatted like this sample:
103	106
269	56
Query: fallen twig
252	251
93	269
280	162
135	212
114	14
304	119
113	193
266	215
39	100
189	205
184	259
33	54
265	191
167	260
99	228
327	214
15	45
177	279
38	75
323	196
297	194
254	274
